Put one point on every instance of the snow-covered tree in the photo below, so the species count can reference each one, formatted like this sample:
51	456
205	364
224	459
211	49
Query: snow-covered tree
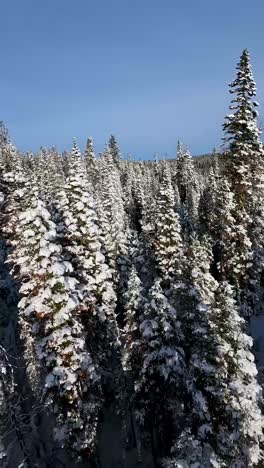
233	246
168	243
185	175
16	186
3	134
50	316
91	164
207	204
14	426
186	184
81	240
159	386
50	175
133	309
111	212
244	157
114	150
223	418
244	162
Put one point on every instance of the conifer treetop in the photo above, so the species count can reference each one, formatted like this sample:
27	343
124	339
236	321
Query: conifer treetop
114	149
241	124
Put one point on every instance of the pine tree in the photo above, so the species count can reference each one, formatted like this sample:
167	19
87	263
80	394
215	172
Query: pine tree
244	162
114	150
233	247
160	381
184	171
15	187
187	188
55	176
90	164
133	309
3	134
112	217
53	334
81	240
207	204
168	242
14	426
223	419
146	203
244	158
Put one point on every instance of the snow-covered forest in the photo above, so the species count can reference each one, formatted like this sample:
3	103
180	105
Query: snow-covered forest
127	292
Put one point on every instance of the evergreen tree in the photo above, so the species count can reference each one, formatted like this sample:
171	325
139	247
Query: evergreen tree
133	310
54	337
81	240
187	188
3	134
223	419
244	163
160	380
207	205
15	186
244	157
168	242
90	164
184	172
114	150
14	426
233	246
112	217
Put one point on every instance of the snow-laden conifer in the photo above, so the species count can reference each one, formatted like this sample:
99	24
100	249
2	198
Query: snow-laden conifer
185	175
207	205
91	165
111	211
81	243
114	150
223	419
15	183
168	242
232	240
186	182
160	379
50	175
244	162
244	158
50	322
133	310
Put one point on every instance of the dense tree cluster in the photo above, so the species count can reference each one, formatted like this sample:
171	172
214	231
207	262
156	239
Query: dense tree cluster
130	285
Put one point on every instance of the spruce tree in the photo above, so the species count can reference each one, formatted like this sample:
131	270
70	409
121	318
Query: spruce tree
244	157
244	163
186	184
233	246
159	385
81	240
207	205
168	243
14	424
114	150
51	327
15	187
134	302
223	419
112	216
185	176
91	165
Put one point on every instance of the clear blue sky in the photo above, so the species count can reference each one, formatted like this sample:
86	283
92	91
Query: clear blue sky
149	71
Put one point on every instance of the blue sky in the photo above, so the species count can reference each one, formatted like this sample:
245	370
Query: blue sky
149	71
